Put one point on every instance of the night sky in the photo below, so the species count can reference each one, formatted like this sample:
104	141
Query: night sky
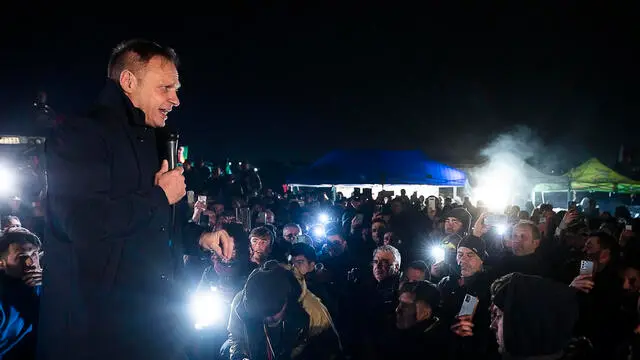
294	83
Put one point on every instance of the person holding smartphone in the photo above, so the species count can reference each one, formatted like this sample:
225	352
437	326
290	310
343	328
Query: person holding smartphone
600	293
465	303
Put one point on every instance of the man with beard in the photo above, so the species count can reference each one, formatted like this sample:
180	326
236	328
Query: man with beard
260	245
456	226
601	294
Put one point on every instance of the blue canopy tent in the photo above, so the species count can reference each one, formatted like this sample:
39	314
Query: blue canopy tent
380	167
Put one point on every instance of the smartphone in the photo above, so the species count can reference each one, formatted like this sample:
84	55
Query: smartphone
495	219
191	197
469	305
431	204
202	198
586	267
628	227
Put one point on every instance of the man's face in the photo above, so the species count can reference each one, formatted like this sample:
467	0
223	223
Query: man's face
469	262
13	222
260	247
270	217
414	275
20	257
497	326
336	245
522	242
153	90
406	312
388	238
303	265
631	279
452	225
290	233
376	231
592	246
383	265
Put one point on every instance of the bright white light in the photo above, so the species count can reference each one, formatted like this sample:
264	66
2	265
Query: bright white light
206	309
495	186
255	169
7	180
437	253
319	231
323	218
501	229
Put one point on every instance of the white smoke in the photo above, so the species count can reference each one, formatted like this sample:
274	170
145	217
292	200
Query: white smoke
505	178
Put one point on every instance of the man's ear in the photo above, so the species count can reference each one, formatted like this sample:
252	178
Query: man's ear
423	310
128	81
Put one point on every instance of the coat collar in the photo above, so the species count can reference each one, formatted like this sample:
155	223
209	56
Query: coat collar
113	98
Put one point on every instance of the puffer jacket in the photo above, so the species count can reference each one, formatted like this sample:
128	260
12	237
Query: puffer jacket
308	330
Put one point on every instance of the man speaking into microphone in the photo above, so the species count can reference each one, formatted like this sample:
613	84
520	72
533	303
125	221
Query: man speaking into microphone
109	285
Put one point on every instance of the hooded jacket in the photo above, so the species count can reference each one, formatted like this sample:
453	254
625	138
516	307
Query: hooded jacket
308	329
539	315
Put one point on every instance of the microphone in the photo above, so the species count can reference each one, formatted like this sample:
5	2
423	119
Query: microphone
172	159
172	150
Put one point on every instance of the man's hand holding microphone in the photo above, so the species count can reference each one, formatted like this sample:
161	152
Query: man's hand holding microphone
172	182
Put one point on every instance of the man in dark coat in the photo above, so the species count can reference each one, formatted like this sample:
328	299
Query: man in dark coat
109	289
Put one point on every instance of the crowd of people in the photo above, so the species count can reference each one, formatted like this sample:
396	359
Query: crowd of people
362	278
518	288
307	277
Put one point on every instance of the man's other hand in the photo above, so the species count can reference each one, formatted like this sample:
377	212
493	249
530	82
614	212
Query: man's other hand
171	182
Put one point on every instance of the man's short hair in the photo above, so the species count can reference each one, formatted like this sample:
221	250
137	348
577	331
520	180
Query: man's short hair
292	225
10	218
333	230
388	248
418	265
607	242
262	232
18	235
135	54
305	250
535	231
423	291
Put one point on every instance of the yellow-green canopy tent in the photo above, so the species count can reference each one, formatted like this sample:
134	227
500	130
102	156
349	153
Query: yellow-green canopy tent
595	176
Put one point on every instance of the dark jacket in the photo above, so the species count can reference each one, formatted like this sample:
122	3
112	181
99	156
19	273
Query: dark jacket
422	341
109	289
483	342
306	333
18	319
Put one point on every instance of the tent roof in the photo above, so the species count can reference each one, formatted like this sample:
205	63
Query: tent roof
544	182
593	175
378	167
